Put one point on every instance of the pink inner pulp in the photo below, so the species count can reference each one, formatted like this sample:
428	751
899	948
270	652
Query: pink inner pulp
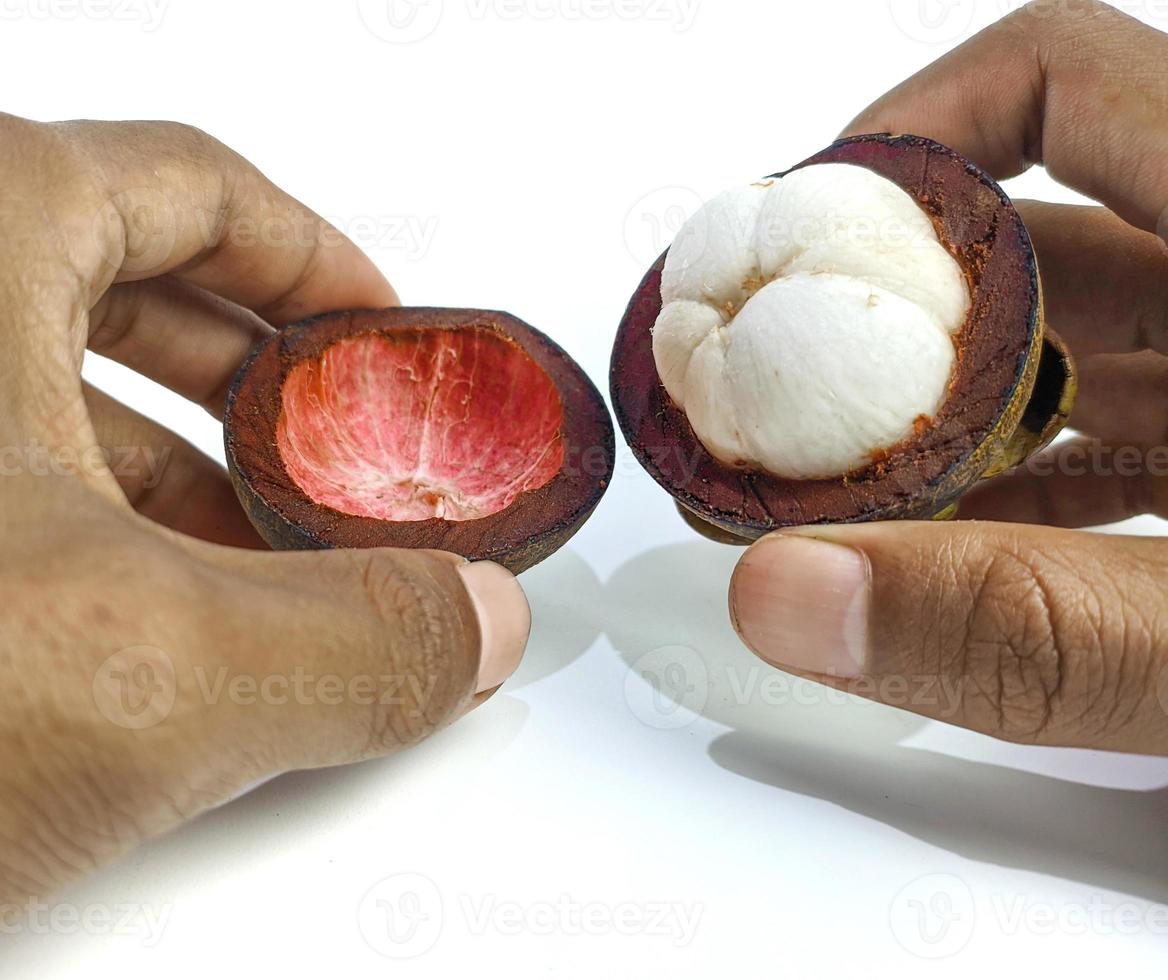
420	424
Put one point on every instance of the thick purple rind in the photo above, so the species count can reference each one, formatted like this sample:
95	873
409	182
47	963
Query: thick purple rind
537	524
921	477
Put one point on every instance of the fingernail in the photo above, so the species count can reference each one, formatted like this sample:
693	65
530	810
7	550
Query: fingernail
504	620
802	603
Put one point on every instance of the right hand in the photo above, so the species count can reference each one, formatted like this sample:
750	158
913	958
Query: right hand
1026	630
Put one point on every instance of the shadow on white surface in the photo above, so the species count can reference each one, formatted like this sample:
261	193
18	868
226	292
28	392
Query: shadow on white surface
1107	838
804	739
566	600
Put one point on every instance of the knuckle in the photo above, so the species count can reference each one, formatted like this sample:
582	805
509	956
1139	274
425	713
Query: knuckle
426	636
1049	652
1013	666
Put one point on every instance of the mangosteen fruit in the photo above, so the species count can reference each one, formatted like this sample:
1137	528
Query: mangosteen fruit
459	430
860	338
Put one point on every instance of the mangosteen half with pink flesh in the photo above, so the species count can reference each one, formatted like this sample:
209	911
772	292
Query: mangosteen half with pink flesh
465	431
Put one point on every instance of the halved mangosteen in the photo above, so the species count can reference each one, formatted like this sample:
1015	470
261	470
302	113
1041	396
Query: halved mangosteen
860	338
459	430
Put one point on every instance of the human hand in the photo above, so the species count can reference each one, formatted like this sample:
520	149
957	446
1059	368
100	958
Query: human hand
151	666
1026	631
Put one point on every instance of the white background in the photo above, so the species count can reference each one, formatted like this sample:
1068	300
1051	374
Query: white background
541	152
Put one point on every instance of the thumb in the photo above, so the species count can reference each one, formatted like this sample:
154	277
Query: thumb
1031	634
345	655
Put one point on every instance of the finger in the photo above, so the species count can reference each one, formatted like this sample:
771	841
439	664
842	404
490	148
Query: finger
1035	635
179	335
173	200
1078	87
1105	283
107	202
1076	484
365	652
165	478
1124	398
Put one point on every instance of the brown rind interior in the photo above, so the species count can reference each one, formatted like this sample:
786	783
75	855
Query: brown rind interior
1049	409
535	525
998	362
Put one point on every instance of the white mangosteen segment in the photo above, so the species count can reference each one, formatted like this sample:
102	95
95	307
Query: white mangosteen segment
823	369
681	328
714	258
827	339
839	204
927	278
